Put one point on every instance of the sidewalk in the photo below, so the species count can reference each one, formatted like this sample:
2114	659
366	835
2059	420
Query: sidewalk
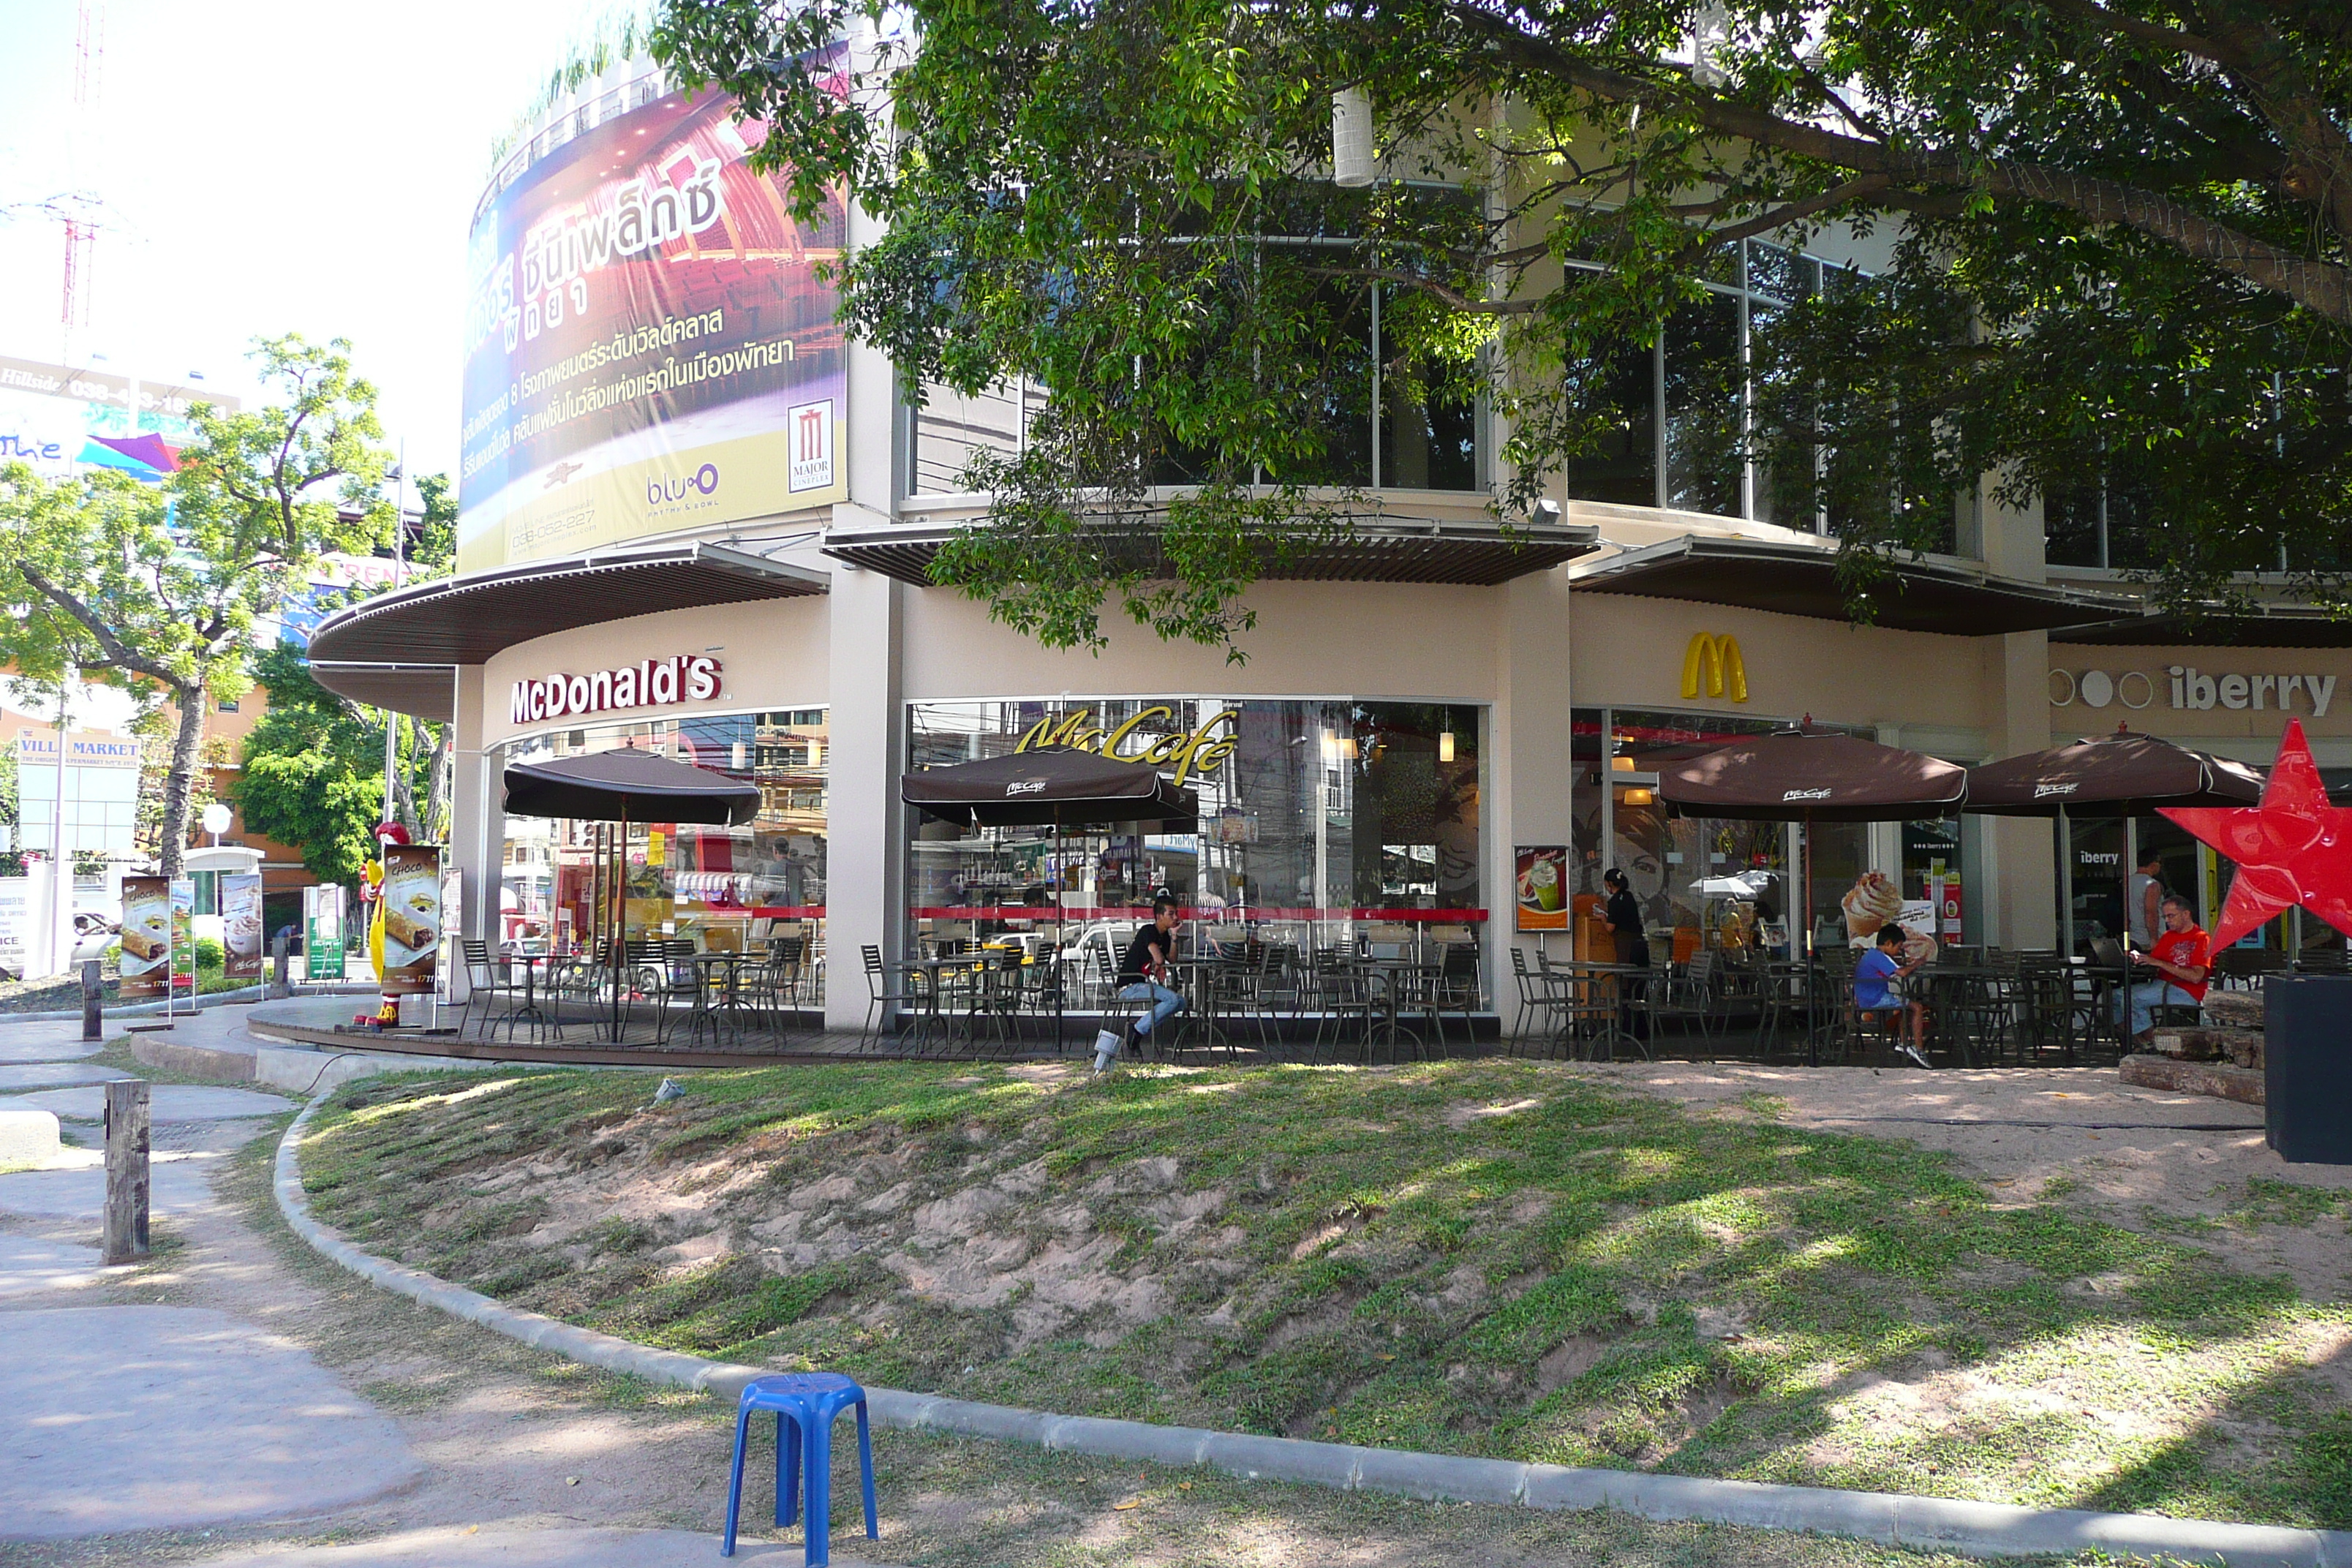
197	1393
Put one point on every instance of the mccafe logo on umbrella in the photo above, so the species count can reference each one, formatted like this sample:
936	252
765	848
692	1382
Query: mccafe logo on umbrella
1822	793
650	683
1194	751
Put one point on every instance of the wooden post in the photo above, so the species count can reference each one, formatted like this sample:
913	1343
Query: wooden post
93	992
126	1170
280	983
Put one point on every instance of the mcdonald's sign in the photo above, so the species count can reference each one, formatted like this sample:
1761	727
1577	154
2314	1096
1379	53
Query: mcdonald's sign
1712	666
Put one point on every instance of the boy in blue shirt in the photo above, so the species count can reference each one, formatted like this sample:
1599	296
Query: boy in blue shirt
1874	990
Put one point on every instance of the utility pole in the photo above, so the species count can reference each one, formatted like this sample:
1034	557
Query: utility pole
399	558
61	876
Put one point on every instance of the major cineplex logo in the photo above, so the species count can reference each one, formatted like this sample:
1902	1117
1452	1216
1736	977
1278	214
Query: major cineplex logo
2191	687
651	683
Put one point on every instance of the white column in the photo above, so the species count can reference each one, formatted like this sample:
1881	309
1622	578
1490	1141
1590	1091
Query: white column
477	821
1530	769
864	831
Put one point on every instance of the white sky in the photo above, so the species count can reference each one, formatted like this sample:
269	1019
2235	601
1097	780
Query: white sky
267	166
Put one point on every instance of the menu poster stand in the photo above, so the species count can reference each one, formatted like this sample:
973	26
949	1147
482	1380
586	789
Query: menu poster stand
1543	904
179	944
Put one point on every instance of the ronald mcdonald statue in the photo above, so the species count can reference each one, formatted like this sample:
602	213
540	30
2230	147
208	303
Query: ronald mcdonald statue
387	1015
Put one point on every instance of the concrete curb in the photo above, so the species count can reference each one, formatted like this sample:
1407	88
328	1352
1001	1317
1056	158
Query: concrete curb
1976	1528
154	1010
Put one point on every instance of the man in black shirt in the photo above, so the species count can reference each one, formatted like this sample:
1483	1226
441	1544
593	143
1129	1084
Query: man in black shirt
1144	971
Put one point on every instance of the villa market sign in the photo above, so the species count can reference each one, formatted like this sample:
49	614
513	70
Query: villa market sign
1196	751
649	683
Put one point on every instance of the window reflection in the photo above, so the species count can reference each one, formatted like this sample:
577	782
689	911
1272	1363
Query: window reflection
722	888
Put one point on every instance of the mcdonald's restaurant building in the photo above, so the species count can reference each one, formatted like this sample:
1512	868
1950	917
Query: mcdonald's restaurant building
1446	729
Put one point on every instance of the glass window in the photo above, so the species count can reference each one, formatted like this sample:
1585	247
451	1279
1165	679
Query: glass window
1321	824
723	889
1705	396
1622	391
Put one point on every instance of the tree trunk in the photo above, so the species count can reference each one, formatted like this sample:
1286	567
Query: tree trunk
436	798
179	784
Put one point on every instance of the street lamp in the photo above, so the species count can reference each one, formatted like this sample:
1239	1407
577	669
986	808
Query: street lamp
217	820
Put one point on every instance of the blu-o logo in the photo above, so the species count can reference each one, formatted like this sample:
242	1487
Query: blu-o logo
704	478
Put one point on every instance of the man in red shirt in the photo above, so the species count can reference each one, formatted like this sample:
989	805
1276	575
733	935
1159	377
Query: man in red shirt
2179	966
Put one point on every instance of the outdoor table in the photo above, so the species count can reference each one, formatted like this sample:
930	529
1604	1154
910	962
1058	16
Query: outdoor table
1597	979
1200	988
727	1010
529	1010
1391	972
935	971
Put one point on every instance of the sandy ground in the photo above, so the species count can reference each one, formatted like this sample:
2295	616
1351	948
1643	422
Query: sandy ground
2079	1136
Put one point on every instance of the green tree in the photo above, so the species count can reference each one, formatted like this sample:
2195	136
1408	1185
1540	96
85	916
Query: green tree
2120	250
159	592
313	766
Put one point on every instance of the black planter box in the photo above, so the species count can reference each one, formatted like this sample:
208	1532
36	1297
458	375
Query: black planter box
2307	1068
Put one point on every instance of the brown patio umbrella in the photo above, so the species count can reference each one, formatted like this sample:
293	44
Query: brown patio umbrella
622	787
1060	785
2124	774
1809	775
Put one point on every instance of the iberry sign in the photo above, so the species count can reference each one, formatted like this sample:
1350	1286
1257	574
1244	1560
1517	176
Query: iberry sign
2194	689
651	683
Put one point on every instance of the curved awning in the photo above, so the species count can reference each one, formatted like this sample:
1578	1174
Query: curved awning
1958	598
1386	550
398	651
465	620
2258	625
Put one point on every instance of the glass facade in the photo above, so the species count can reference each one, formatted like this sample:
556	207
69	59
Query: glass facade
1322	823
723	889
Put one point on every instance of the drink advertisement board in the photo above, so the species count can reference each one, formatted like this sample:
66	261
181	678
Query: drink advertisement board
184	933
240	908
1543	886
146	935
411	918
649	345
322	933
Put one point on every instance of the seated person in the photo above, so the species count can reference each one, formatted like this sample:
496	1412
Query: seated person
1875	982
1144	971
2178	966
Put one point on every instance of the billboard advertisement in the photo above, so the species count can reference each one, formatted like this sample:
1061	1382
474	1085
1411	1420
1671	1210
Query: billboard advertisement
146	935
63	421
412	917
649	346
240	908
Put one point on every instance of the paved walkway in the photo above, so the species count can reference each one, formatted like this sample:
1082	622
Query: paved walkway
194	1392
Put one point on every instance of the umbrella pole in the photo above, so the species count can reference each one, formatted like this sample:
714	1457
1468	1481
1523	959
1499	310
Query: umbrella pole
1813	959
2065	887
2131	868
1055	882
620	916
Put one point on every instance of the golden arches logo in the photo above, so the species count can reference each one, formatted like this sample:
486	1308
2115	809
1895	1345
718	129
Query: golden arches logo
1712	666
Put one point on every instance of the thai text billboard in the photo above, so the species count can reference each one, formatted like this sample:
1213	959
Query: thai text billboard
649	346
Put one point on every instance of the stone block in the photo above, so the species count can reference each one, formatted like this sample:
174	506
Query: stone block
28	1137
1281	1458
2234	1009
2218	1079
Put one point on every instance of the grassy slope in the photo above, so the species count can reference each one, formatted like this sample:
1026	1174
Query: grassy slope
1490	1256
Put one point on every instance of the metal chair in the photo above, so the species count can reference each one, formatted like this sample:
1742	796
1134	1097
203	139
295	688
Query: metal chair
882	996
483	983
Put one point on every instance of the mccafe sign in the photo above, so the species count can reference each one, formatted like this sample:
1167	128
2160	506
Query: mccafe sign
1192	751
650	683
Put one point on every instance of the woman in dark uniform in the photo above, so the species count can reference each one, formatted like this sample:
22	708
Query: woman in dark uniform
1624	917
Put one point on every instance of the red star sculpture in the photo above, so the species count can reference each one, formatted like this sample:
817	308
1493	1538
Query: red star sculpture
2293	848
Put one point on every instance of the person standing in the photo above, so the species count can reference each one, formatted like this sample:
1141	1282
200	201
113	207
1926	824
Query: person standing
1623	913
2143	901
2180	961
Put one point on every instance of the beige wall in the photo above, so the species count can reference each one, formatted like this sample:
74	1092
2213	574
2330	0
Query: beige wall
1355	639
2247	733
1628	653
772	654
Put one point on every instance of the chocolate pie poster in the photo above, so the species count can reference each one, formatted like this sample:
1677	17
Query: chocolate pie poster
412	917
146	935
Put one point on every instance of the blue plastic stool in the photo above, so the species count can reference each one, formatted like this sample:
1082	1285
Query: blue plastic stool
806	1405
